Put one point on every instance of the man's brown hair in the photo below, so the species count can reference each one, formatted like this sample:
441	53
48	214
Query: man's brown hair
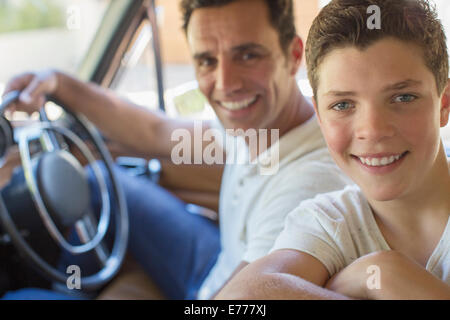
343	23
281	16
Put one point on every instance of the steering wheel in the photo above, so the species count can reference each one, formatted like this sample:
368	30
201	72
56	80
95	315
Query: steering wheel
59	188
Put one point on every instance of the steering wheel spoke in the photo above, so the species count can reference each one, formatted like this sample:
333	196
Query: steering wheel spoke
86	230
51	141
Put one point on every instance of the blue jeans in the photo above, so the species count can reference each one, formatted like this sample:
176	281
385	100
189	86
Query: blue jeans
177	249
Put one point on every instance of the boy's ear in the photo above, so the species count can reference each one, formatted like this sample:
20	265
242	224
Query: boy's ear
445	105
295	54
316	109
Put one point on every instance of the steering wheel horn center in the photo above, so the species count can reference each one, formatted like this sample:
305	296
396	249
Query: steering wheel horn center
63	185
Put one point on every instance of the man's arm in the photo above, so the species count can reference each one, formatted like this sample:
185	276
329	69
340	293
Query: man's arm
12	160
141	130
388	275
283	274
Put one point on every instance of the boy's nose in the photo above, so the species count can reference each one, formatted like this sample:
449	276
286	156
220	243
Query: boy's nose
374	124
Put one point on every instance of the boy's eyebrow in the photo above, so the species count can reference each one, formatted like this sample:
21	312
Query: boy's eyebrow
239	48
402	85
396	86
338	93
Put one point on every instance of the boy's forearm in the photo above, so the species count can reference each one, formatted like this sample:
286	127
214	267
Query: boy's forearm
388	275
406	280
274	286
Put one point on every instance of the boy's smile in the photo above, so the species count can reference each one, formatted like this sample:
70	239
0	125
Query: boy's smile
379	111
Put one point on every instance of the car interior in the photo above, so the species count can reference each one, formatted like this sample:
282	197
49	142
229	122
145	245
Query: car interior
39	207
40	204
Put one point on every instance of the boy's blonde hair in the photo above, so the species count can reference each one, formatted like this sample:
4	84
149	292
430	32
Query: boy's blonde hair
343	23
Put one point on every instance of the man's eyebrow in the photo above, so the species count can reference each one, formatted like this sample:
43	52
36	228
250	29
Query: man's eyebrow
403	84
239	48
202	55
248	46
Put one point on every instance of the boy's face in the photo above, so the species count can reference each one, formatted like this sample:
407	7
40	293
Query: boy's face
240	65
380	114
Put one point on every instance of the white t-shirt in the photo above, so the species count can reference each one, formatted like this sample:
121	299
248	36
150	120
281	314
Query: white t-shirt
339	227
252	206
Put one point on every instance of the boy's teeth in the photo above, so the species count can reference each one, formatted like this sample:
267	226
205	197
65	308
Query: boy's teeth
376	162
238	105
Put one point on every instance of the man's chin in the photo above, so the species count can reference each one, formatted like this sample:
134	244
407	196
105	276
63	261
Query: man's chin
239	129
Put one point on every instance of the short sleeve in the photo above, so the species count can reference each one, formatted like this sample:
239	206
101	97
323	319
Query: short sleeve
281	197
309	231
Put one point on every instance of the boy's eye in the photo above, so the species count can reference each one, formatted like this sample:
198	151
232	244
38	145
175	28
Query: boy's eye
342	106
405	98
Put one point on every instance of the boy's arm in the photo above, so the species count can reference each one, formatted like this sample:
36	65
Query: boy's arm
388	275
283	274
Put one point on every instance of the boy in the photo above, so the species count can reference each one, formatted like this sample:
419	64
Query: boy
381	96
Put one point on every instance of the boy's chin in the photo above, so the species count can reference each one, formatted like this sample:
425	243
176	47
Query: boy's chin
381	193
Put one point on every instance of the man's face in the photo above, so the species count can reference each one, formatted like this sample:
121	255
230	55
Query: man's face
380	114
240	65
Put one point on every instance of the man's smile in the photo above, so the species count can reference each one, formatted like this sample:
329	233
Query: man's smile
238	104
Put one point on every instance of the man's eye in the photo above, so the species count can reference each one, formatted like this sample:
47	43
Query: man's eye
249	56
405	98
206	62
342	106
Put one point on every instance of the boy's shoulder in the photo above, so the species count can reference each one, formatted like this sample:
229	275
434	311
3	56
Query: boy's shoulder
335	227
339	204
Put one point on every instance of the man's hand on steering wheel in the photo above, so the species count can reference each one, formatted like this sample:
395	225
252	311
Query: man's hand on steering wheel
35	88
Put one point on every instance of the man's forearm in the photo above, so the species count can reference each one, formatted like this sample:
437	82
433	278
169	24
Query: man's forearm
122	121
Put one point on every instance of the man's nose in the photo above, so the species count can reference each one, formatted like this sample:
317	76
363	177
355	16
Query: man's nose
374	123
228	77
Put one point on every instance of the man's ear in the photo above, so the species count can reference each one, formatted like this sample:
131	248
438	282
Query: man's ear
295	54
445	105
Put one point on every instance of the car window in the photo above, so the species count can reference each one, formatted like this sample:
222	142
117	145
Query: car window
136	77
40	34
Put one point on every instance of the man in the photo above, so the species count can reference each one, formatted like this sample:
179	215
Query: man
246	55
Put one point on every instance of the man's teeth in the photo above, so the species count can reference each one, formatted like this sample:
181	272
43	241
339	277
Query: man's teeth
238	104
377	162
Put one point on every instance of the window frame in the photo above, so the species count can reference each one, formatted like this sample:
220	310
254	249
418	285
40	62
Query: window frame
113	38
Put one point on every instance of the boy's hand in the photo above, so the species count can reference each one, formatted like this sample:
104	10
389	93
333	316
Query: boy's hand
352	280
34	87
387	275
